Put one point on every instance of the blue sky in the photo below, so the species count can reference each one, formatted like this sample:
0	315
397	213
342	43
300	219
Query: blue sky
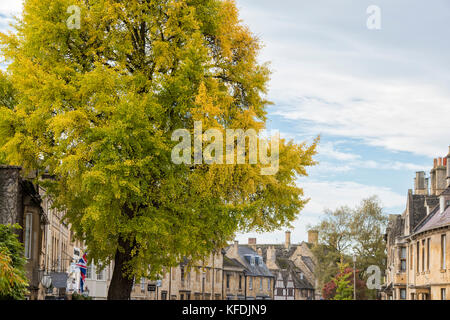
378	98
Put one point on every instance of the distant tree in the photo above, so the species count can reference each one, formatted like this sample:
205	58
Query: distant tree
368	225
334	242
344	288
346	232
13	281
341	282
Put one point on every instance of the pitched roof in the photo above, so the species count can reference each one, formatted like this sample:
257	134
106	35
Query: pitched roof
295	273
256	269
232	263
436	219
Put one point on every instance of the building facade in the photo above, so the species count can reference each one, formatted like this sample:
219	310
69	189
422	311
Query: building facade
49	246
234	273
418	241
293	267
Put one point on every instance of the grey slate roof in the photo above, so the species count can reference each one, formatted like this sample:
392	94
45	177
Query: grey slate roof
309	263
232	263
436	220
255	270
295	272
395	228
417	209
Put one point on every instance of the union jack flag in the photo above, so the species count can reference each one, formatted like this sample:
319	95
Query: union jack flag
82	264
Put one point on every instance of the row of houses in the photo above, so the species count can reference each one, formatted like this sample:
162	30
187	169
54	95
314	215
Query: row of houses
241	272
418	241
238	272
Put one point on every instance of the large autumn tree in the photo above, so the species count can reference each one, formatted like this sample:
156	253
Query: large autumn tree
96	107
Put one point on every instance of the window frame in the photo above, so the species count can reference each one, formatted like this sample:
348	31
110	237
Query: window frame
28	235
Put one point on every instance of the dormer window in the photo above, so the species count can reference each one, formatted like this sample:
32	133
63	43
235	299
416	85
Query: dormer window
252	261
260	261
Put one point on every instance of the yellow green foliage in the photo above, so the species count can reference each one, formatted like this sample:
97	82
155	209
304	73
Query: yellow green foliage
96	108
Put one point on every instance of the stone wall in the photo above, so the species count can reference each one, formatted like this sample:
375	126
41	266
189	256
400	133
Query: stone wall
10	195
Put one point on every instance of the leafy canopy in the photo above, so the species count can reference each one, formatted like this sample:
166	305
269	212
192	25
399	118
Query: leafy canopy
96	108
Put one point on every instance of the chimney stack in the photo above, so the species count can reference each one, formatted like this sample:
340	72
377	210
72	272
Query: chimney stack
441	176
252	243
313	236
433	178
420	184
448	168
287	242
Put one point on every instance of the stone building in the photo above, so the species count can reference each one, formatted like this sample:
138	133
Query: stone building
203	281
234	273
418	240
292	265
48	242
257	281
21	203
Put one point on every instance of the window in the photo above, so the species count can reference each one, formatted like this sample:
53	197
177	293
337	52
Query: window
28	233
228	281
208	276
142	284
250	283
411	250
428	253
290	292
100	274
268	284
217	276
240	282
423	255
418	257
403	265
260	284
403	294
89	272
252	260
260	261
443	251
164	295
443	294
403	259
279	292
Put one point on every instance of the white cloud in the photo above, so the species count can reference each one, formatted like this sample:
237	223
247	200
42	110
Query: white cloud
9	7
331	195
387	88
329	150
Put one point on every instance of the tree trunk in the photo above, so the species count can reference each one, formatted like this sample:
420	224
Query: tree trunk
121	285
